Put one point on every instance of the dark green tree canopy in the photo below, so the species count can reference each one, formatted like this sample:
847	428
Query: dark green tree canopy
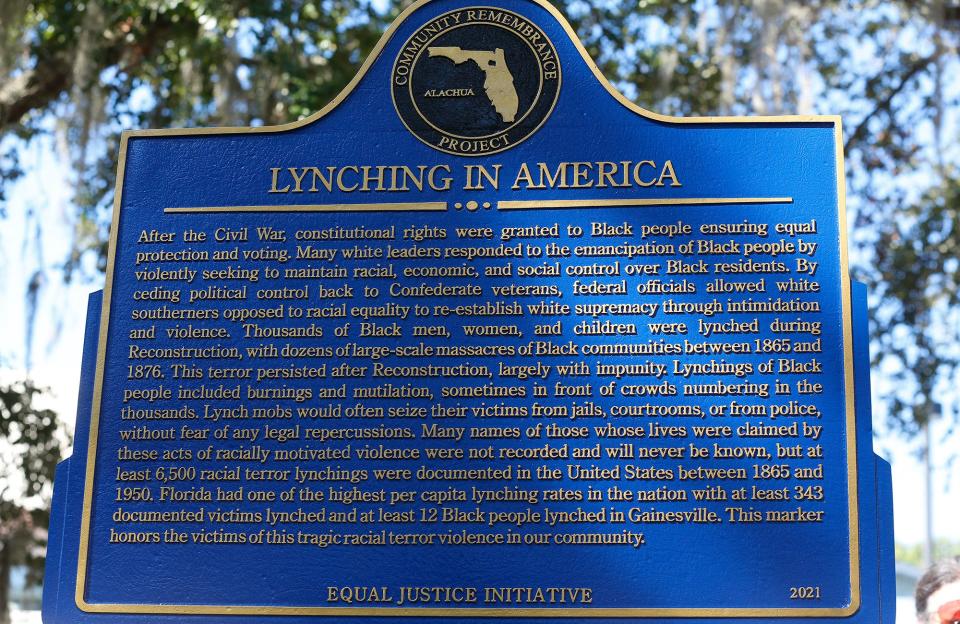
31	439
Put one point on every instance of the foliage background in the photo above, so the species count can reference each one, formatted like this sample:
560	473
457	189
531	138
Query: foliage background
74	73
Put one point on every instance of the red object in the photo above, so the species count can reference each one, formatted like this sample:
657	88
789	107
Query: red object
949	613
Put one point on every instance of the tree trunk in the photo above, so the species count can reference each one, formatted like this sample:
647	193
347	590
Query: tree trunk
5	582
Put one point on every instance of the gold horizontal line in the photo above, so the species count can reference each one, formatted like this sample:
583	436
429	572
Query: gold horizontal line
602	203
448	612
396	207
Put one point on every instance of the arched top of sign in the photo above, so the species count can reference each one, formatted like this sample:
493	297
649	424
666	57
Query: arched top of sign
409	13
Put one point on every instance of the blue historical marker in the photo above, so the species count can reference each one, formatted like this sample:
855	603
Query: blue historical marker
479	339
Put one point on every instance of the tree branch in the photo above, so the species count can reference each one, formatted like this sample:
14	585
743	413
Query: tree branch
884	104
34	89
38	88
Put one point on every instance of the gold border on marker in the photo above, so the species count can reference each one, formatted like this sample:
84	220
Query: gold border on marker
846	320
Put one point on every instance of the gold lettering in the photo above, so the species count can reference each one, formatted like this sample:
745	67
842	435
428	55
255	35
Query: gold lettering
668	172
636	173
297	179
273	186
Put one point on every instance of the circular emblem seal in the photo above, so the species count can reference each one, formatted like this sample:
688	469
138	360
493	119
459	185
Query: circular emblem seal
476	81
